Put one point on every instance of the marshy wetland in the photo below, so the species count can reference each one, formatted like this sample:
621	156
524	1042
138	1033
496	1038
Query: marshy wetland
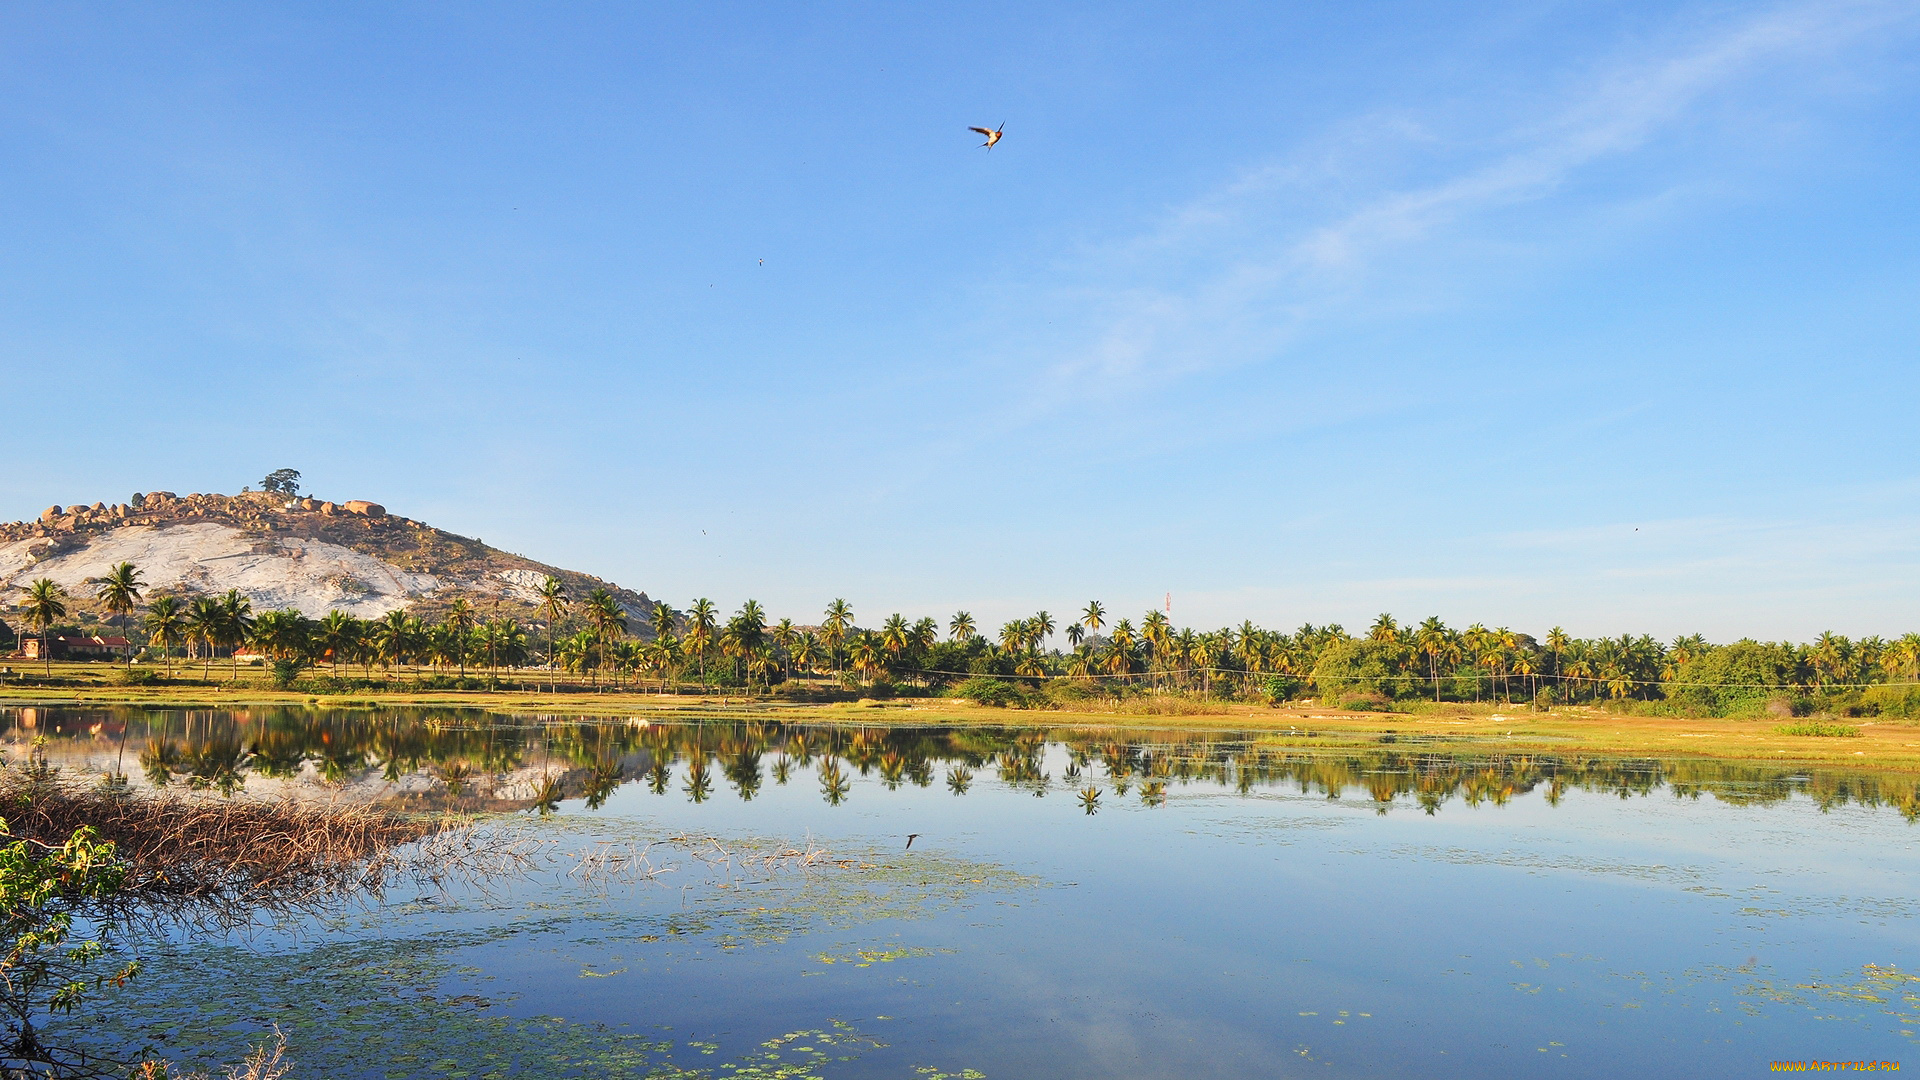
735	896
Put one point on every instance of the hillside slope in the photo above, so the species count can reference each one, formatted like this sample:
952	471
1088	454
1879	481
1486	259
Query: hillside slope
305	554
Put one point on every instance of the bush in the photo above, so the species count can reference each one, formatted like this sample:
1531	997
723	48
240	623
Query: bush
285	670
1281	688
134	676
1902	701
1819	728
1373	701
1070	692
1362	667
1737	679
997	692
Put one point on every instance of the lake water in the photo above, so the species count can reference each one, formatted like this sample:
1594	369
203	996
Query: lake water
1075	904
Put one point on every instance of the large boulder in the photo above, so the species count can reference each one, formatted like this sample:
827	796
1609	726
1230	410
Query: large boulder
365	508
48	515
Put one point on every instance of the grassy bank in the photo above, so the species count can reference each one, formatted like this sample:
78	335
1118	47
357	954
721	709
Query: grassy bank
1865	743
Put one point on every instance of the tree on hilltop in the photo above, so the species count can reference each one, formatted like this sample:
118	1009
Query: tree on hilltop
282	482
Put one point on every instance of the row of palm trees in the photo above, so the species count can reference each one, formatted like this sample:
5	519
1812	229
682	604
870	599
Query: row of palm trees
746	648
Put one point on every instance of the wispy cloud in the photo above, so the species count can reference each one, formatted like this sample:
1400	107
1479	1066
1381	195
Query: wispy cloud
1235	274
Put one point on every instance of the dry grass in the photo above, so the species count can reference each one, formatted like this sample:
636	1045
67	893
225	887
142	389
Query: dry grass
199	856
266	1062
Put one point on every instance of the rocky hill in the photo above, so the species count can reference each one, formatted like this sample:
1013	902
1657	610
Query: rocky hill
311	555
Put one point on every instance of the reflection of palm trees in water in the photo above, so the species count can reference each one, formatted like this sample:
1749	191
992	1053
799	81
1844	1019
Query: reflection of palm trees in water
547	794
699	781
834	784
1090	800
893	769
743	770
455	774
602	782
160	760
659	775
218	762
219	749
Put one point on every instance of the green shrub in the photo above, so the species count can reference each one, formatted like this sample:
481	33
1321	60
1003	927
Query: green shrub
1362	667
285	670
1888	700
1737	679
134	676
1371	701
1820	728
998	692
1281	688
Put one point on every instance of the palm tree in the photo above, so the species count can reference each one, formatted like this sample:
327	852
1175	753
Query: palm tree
604	612
236	625
395	638
895	634
783	635
702	619
553	597
1042	624
460	621
664	619
119	591
336	636
833	629
1094	617
1557	642
1076	633
165	623
961	627
205	622
805	650
864	653
45	603
1433	640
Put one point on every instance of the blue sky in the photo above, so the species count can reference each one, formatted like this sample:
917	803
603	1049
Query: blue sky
1598	315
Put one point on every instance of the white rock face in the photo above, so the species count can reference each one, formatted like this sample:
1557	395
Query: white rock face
310	576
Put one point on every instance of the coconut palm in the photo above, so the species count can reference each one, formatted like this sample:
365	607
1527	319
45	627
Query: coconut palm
805	651
960	628
205	628
834	627
236	625
865	652
664	620
608	620
337	637
1094	617
553	597
118	590
45	603
895	635
783	635
702	620
1042	624
1435	642
166	623
397	639
460	620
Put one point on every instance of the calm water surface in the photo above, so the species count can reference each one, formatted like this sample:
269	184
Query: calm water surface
1076	904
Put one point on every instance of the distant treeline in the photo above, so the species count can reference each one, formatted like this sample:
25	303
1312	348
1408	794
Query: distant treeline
1025	662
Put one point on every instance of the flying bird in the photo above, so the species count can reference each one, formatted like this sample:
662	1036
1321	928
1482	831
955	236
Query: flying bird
992	136
911	837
